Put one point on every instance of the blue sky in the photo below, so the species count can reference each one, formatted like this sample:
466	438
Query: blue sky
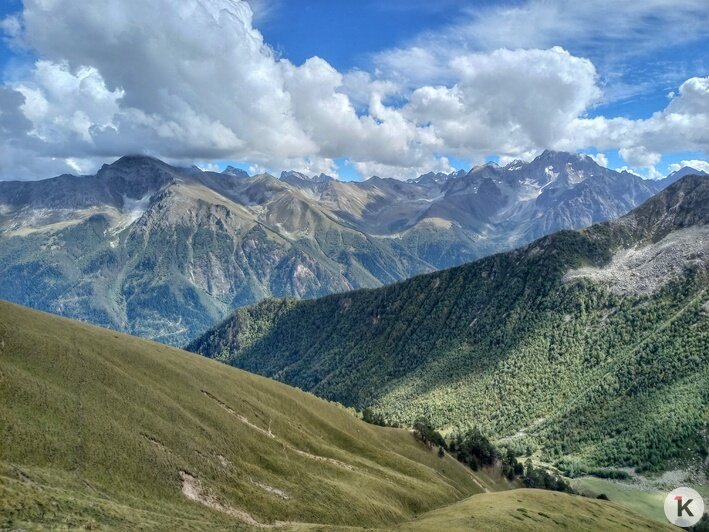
402	86
349	33
7	7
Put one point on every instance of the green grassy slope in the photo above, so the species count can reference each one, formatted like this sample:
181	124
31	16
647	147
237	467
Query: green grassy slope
584	376
526	510
99	428
644	501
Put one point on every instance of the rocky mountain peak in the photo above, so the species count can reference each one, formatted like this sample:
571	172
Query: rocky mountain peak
237	172
679	174
682	204
437	178
135	176
260	236
322	178
298	178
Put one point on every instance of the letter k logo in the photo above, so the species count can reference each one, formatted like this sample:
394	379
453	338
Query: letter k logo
681	508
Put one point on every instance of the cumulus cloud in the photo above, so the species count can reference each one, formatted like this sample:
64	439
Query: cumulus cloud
682	125
600	159
192	80
195	75
639	156
506	102
702	166
195	81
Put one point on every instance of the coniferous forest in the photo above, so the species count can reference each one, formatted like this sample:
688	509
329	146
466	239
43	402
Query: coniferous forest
573	372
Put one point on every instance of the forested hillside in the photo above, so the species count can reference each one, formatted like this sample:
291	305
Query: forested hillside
590	347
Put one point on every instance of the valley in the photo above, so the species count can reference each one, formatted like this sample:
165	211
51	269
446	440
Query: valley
535	347
412	265
102	430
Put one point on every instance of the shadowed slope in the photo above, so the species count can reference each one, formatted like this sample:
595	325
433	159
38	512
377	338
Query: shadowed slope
541	345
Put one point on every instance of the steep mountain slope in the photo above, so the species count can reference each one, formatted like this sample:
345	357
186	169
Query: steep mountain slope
105	429
101	430
584	346
679	174
165	252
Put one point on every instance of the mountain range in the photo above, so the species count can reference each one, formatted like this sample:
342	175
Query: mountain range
165	252
587	349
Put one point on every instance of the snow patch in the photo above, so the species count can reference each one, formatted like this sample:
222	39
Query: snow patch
575	177
530	190
135	208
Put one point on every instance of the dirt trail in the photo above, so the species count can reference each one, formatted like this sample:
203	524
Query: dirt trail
271	435
192	489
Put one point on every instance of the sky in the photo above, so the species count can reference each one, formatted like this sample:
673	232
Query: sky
352	88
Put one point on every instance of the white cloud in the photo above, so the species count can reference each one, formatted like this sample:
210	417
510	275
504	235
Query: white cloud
640	156
615	35
600	159
702	166
195	80
11	26
60	102
682	126
607	23
506	102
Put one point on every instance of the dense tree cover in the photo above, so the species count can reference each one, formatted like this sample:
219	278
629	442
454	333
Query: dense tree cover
375	418
424	431
584	377
475	450
542	479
